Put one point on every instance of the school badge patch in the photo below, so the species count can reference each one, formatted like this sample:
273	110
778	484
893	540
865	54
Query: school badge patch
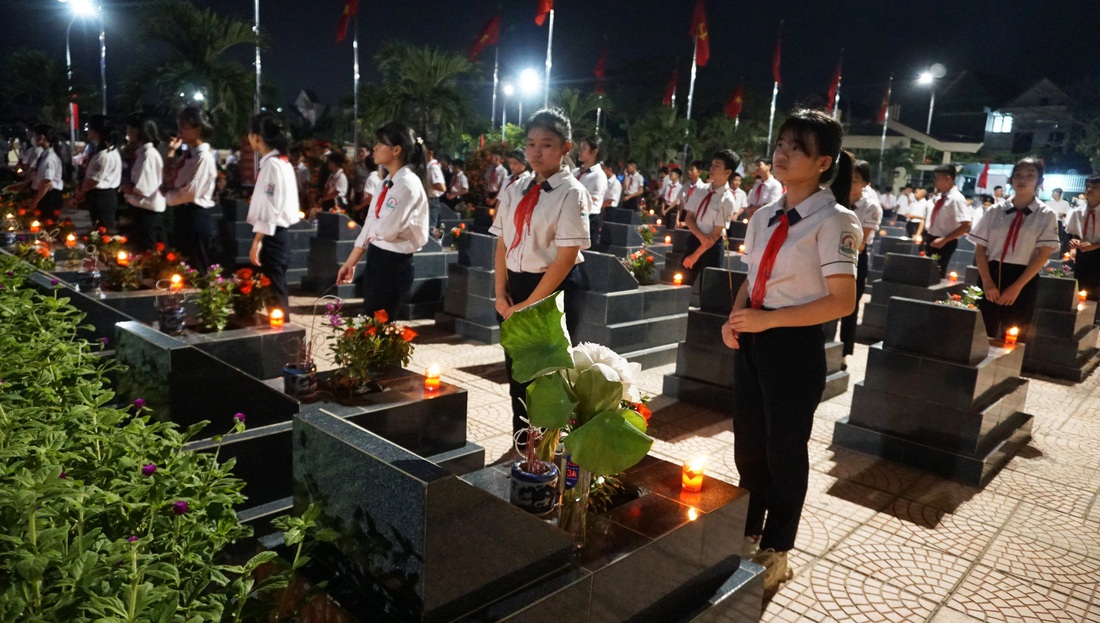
269	190
391	203
848	244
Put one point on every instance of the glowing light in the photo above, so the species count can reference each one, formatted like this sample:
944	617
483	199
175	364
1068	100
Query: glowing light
692	477
175	283
668	239
431	379
529	81
123	259
953	276
70	241
35	227
678	279
692	514
276	318
1011	336
198	96
925	78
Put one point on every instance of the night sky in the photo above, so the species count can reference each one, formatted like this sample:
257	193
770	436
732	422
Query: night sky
1021	40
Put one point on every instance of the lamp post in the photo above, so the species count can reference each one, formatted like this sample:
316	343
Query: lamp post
529	82
507	91
928	79
81	8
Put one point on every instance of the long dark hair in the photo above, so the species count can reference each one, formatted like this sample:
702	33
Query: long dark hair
827	135
46	131
147	128
396	134
198	118
271	130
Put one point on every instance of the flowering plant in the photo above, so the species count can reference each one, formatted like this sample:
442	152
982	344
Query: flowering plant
253	289
967	300
1062	271
160	263
453	236
36	254
586	395
647	232
367	345
214	298
105	245
640	263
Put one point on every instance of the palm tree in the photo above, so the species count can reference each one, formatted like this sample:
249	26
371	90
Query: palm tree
659	135
40	83
581	109
189	54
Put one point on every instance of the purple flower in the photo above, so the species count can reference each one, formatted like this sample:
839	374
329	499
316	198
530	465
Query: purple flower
139	403
148	470
54	282
11	273
63	475
238	416
180	507
335	322
132	539
1	286
104	340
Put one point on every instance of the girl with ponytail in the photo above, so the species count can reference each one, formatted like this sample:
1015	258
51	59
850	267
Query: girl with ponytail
274	205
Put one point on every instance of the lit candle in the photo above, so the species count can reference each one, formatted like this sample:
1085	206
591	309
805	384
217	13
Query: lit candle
668	239
658	222
1080	307
692	479
741	249
492	212
123	259
953	276
70	241
677	279
1011	335
301	215
35	227
276	318
918	239
744	220
651	212
1082	296
352	225
882	232
175	283
1065	256
431	379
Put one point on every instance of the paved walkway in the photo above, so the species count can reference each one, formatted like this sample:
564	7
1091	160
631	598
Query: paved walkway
880	541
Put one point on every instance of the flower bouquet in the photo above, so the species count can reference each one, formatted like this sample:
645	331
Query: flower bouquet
640	264
647	232
452	237
967	300
160	263
1062	272
364	346
37	254
584	398
253	290
215	297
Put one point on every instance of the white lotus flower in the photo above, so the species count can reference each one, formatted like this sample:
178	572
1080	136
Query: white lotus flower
613	366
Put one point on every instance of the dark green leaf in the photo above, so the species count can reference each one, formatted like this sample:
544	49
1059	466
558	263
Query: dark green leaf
608	444
536	339
550	403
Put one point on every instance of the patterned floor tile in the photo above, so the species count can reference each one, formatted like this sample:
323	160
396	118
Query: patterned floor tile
829	592
924	571
1056	496
992	596
911	523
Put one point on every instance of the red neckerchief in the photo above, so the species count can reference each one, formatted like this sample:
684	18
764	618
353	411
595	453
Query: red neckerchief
522	218
767	263
1014	229
382	197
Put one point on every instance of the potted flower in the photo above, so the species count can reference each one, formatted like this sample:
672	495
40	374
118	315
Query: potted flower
647	232
534	480
215	297
584	398
365	346
300	374
640	264
252	292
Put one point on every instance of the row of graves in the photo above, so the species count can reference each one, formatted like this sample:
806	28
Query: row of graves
426	531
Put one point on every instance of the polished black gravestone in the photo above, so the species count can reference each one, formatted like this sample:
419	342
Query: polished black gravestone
908	276
642	323
429	281
336	234
704	364
884	244
100	320
236	240
469	302
938	397
1061	340
419	544
731	260
619	233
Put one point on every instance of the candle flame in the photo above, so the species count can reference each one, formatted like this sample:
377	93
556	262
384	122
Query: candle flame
352	225
433	372
1014	331
668	239
276	314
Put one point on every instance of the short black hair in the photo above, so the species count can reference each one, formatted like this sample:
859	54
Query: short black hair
764	160
664	169
676	170
996	188
1093	179
947	169
1057	190
910	187
459	162
699	164
729	159
337	158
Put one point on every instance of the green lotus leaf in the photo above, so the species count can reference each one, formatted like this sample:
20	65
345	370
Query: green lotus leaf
608	444
550	403
536	339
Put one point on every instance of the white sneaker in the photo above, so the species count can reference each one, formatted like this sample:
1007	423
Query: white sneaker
750	546
775	566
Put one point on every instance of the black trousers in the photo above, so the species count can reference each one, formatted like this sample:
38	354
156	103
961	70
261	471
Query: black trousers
50	205
194	230
1087	270
712	258
520	287
595	223
779	376
630	204
944	252
387	281
103	206
274	260
146	230
911	228
848	323
1000	318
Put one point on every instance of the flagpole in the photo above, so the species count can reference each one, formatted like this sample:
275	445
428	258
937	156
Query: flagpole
885	122
549	49
599	109
839	79
771	119
496	80
256	31
691	85
355	82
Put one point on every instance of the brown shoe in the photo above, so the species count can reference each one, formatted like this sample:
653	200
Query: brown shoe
775	566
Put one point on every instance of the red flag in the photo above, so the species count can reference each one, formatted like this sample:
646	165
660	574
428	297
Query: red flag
885	106
601	70
983	179
699	33
481	142
833	87
670	91
778	53
733	107
489	35
350	9
545	6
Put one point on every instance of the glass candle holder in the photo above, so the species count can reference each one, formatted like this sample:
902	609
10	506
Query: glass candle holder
692	477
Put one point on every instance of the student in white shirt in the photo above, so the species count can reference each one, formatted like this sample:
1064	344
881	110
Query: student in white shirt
1083	226
191	193
904	199
28	154
274	205
47	182
99	192
693	184
916	213
335	196
740	197
541	229
707	215
614	186
495	174
888	202
670	199
302	176
142	190
948	220
865	204
396	225
766	190
633	186
520	171
801	253
436	187
1012	243
369	186
1062	209
590	174
460	187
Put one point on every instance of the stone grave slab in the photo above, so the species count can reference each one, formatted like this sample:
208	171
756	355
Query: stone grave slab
1061	338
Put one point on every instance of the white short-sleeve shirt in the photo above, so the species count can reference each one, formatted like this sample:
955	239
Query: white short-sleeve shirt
740	200
1061	208
458	183
521	179
274	200
106	168
765	192
1039	229
712	207
1084	223
338	181
632	183
823	242
688	190
146	174
558	220
918	209
196	178
48	168
397	222
494	177
952	213
435	176
869	213
595	182
614	191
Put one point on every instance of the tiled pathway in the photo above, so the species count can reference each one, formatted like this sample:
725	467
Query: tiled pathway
880	541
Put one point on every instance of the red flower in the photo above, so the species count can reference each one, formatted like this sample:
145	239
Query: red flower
349	332
160	247
381	316
106	239
642	411
122	239
408	334
462	225
171	257
649	259
264	281
246	287
369	331
102	230
244	273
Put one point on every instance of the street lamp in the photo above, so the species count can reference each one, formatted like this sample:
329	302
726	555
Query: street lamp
198	96
80	8
508	90
928	79
529	82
